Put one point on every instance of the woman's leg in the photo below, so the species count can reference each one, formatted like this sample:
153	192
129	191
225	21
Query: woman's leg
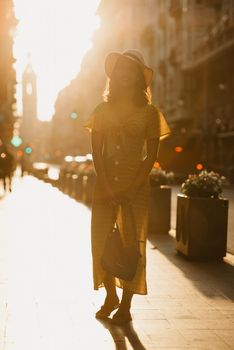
126	300
111	294
111	302
4	183
123	314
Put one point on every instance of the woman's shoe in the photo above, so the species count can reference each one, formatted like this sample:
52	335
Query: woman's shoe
121	318
106	310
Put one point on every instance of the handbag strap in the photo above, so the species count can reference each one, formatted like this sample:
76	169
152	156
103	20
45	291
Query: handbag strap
115	214
116	208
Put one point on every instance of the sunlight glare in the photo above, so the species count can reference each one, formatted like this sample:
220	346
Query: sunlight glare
57	35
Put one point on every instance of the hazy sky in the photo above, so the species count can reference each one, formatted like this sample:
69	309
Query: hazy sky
57	34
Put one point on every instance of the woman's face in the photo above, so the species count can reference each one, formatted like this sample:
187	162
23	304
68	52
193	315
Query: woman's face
126	73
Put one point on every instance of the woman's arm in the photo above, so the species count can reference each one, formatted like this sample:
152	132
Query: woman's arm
97	141
146	166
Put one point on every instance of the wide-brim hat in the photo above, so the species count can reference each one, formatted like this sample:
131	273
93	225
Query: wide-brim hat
133	55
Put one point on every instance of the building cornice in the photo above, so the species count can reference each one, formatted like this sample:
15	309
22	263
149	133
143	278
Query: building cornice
212	55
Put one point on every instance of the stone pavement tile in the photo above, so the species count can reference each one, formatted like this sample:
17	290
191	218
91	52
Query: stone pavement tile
179	313
177	341
227	313
3	320
174	348
212	314
7	342
151	326
222	304
63	330
199	335
220	324
140	302
100	332
154	297
208	345
210	338
164	304
168	337
133	338
158	291
195	302
147	314
227	336
186	296
209	290
194	308
24	332
188	324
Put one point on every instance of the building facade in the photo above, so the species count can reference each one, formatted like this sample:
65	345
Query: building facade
29	123
208	75
8	24
190	45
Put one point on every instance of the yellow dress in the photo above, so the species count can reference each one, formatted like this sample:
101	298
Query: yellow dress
123	152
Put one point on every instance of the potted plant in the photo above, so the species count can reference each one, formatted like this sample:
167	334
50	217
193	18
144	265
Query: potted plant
160	201
202	215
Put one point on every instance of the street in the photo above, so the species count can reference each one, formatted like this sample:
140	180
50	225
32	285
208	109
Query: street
46	296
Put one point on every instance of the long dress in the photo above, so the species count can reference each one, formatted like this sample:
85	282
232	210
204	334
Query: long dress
123	152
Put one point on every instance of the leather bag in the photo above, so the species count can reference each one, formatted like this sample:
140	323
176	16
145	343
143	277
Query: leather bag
120	260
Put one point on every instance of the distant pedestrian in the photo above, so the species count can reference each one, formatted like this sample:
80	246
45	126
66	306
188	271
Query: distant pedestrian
7	167
126	130
23	165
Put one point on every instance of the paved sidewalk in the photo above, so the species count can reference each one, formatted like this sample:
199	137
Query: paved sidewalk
46	296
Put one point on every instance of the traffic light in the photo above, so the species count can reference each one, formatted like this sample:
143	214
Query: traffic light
28	150
19	153
179	149
16	141
73	115
199	166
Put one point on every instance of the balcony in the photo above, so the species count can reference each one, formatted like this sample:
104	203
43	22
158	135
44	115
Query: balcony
173	59
162	67
147	37
220	38
216	4
176	9
162	20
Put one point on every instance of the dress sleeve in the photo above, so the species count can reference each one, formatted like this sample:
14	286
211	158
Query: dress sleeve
156	124
96	119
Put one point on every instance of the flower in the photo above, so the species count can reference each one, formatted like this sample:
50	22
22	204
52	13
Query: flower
204	184
159	177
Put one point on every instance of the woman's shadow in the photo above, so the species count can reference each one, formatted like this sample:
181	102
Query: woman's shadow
120	333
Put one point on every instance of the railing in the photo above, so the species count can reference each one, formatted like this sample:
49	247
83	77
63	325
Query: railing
173	58
176	9
162	67
219	35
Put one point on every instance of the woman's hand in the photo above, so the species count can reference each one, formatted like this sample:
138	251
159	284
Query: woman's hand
110	195
128	195
97	145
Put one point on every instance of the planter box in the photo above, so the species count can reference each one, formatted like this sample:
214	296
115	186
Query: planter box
201	227
160	210
88	185
79	189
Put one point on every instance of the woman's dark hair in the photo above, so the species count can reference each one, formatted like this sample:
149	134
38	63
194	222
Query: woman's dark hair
142	95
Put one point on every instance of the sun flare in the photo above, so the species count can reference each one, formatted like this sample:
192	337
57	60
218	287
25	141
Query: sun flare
57	35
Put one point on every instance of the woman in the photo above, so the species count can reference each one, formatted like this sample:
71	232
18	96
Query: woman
126	129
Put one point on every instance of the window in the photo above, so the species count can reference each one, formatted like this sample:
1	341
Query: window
29	89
